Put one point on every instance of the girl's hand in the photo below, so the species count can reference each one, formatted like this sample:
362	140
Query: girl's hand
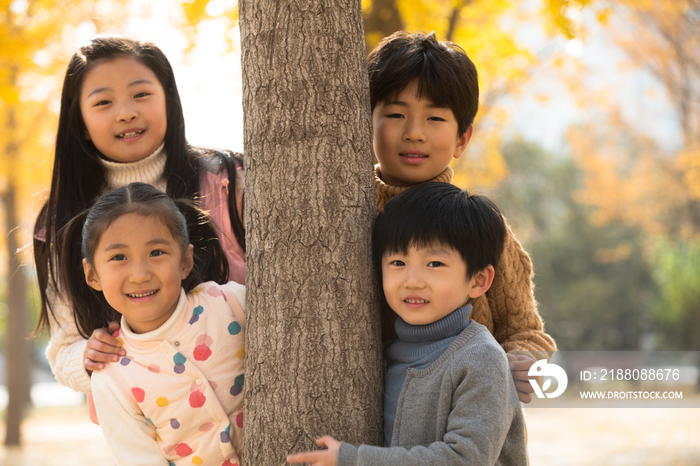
102	347
327	457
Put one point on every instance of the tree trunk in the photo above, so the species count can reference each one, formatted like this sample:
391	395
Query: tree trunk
18	349
382	19
313	349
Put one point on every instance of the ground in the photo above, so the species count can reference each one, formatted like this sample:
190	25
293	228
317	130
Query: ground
557	436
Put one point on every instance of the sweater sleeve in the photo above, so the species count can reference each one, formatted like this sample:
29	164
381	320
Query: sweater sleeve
485	410
131	438
517	324
66	347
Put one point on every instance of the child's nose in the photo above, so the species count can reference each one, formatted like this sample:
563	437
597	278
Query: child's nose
414	131
127	112
140	273
414	278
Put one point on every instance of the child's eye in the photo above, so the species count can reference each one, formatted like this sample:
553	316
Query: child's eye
397	263
157	253
102	102
436	118
142	94
394	115
435	264
118	257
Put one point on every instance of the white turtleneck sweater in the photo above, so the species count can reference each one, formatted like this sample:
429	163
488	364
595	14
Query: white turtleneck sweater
149	170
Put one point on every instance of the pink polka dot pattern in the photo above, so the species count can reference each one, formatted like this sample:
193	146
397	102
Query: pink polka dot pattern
182	449
206	427
197	399
203	349
216	292
139	394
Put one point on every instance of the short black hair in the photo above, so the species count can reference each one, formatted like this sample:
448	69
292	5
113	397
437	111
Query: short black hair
434	213
445	74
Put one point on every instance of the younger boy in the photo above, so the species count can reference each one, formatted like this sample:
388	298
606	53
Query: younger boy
424	96
449	396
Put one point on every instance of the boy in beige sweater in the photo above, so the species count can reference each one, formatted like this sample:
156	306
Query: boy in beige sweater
424	95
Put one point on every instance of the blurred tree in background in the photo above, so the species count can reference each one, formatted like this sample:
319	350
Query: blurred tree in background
593	284
630	178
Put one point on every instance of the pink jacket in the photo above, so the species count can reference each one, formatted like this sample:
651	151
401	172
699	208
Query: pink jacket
213	188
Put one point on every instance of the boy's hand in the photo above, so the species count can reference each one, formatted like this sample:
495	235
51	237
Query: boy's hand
327	457
102	347
519	366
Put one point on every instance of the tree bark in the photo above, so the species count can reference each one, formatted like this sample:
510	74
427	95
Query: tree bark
313	348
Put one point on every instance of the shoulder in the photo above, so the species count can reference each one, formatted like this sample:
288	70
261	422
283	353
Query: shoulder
478	351
233	293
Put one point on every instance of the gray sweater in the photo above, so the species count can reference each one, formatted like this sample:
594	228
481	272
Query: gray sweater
461	410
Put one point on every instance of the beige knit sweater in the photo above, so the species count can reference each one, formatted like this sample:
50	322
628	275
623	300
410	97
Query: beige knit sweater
508	310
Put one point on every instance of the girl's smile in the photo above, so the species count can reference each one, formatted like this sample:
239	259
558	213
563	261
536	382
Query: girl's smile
124	110
139	267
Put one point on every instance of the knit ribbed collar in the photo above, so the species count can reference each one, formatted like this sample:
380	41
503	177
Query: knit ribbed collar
150	170
386	191
449	326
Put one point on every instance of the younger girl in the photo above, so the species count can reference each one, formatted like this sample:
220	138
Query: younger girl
176	397
121	121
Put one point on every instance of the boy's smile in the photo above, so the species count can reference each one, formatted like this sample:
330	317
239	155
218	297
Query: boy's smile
428	283
414	140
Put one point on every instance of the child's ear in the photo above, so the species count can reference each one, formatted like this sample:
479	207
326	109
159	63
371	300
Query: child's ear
463	141
187	262
91	277
482	281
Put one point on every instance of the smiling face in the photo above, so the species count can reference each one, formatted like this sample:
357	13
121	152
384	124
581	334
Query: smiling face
139	267
413	139
124	109
426	284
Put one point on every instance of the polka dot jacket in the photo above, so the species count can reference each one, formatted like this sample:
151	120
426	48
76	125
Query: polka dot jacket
180	385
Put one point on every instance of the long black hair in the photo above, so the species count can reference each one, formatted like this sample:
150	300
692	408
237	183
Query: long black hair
79	238
78	175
